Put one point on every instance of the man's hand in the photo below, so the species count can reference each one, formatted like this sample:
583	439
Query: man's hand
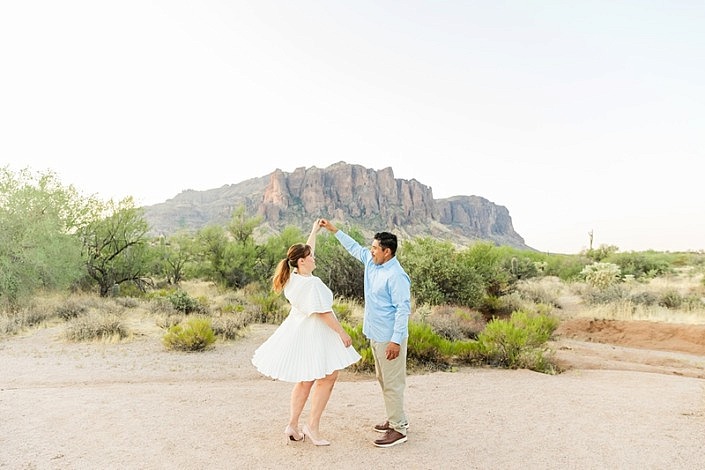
392	351
328	225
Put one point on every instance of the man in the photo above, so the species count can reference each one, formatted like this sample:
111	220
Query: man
386	324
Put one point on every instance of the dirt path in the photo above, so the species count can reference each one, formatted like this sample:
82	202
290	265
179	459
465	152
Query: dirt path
133	405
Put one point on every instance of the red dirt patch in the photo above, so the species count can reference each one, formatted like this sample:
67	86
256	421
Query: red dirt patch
688	339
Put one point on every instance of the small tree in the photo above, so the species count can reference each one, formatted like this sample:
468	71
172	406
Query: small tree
115	245
172	255
38	217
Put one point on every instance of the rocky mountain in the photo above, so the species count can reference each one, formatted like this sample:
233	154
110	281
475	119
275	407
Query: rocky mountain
350	195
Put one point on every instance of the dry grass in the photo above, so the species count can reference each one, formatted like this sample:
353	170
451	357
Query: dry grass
685	285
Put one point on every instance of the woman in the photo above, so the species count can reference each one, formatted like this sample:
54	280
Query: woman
310	346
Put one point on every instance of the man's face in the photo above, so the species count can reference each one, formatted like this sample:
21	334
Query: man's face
379	255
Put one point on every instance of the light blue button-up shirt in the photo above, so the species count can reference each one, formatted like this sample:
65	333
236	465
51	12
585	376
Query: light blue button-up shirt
387	294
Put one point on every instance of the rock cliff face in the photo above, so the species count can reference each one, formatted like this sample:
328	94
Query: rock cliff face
350	195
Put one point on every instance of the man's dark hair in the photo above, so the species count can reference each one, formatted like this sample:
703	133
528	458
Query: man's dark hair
387	240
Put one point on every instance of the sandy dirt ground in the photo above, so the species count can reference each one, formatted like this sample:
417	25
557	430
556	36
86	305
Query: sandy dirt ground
632	397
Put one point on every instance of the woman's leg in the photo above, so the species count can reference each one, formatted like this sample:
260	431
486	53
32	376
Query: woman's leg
299	395
319	400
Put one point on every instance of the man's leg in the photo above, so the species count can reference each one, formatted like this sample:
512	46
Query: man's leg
391	376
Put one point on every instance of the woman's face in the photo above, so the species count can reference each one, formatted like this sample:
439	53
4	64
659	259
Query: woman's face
307	264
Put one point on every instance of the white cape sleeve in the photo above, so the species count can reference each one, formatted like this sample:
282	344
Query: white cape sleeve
309	295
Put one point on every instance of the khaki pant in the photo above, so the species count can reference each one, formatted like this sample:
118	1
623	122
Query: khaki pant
391	376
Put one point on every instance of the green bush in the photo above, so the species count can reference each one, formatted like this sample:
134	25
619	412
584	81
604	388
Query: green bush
185	303
426	350
518	342
429	351
195	334
497	306
641	265
455	278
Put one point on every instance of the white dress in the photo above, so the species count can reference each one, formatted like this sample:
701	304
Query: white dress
303	347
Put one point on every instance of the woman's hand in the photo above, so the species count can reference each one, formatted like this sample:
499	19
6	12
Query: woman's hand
347	340
317	225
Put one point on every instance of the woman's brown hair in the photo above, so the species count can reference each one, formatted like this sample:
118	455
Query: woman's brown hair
283	271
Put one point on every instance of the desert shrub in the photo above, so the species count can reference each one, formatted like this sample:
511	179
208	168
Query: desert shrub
601	275
194	334
168	319
426	349
232	308
519	342
96	326
642	265
512	302
600	253
72	308
421	313
34	314
446	326
455	278
9	325
230	326
127	302
28	315
230	303
546	291
455	323
492	306
644	298
129	290
161	306
613	293
523	267
692	302
184	303
270	307
565	267
670	299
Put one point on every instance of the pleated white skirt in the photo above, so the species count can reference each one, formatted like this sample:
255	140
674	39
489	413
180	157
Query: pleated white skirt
303	348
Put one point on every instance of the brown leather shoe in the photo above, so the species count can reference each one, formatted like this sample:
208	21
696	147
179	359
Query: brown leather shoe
384	427
391	438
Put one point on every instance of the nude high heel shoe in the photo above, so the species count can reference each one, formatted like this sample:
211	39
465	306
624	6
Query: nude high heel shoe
312	438
293	435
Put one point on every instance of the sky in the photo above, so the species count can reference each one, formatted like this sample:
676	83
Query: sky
579	117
